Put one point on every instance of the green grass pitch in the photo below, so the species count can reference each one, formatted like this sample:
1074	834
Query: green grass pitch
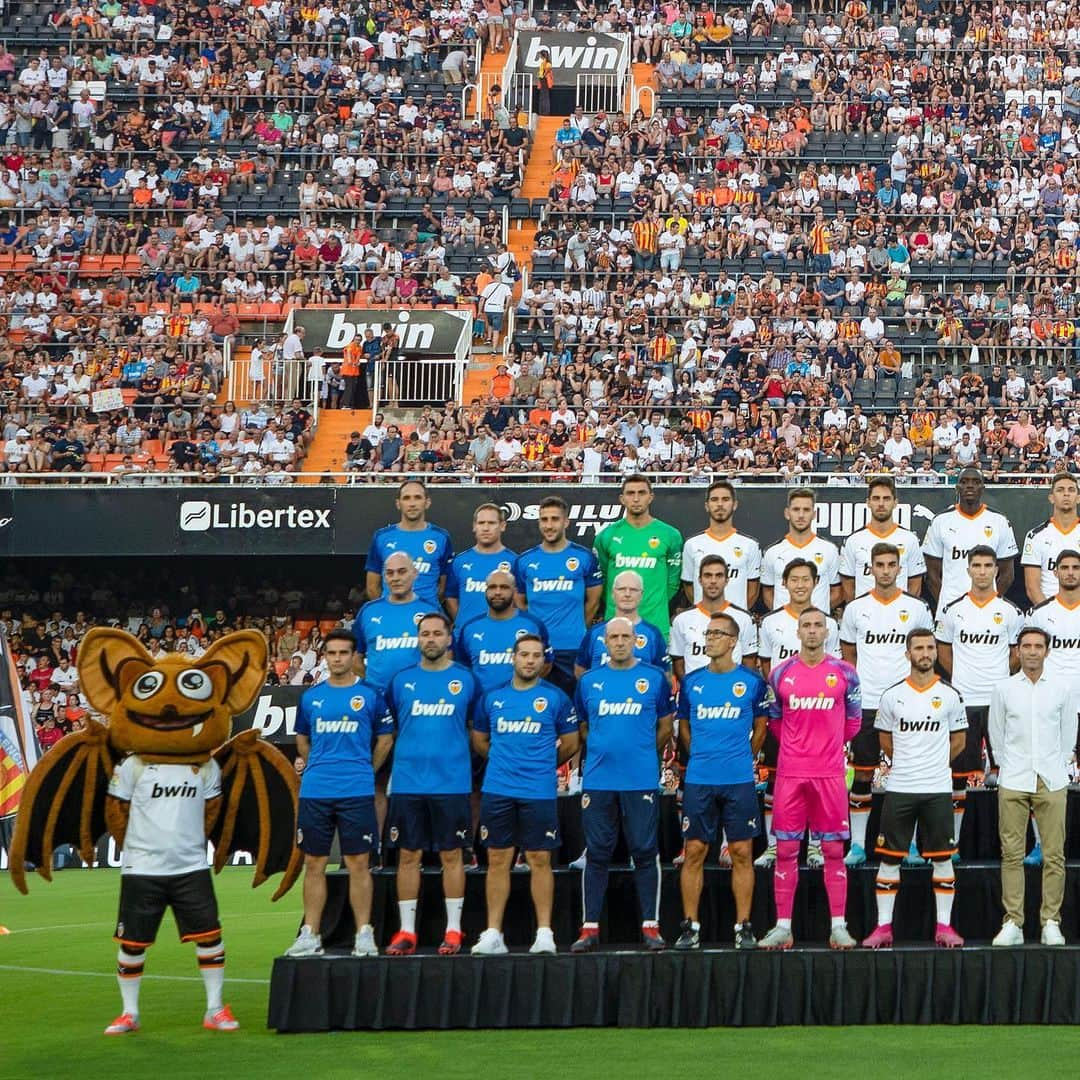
57	992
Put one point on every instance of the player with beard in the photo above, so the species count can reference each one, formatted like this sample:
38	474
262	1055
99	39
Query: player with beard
740	551
856	577
921	723
953	533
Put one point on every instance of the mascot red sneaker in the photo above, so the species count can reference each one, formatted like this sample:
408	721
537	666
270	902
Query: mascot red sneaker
162	778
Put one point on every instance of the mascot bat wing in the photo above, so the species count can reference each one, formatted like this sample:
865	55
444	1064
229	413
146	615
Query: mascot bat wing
63	802
259	798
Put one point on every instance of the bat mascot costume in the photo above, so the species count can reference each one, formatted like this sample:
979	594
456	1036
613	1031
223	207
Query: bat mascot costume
162	778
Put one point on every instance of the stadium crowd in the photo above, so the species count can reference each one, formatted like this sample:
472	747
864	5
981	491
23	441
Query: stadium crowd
843	241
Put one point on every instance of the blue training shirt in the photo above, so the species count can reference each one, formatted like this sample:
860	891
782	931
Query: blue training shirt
554	584
523	726
430	549
486	645
386	637
649	646
721	709
622	708
466	580
342	722
432	710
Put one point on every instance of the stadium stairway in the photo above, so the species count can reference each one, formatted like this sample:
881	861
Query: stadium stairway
327	450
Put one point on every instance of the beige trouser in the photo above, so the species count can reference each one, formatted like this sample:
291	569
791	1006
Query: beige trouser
1049	810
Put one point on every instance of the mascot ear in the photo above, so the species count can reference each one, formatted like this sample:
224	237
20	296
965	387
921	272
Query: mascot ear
107	661
242	655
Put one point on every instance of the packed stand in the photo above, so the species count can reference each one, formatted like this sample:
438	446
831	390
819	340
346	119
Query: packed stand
165	186
844	239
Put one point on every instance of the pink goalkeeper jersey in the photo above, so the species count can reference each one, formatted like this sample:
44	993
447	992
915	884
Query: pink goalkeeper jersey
813	712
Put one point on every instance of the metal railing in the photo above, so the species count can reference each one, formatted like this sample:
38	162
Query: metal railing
565	476
407	383
273	380
601	91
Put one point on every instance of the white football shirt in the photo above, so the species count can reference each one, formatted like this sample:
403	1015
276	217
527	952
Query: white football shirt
855	556
1042	546
688	635
778	636
166	833
1062	623
742	554
952	534
980	636
878	629
823	553
920	722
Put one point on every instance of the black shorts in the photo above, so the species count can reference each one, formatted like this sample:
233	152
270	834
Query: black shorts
900	813
353	819
970	759
143	900
430	822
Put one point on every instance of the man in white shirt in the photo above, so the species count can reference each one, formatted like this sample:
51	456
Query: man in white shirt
1033	732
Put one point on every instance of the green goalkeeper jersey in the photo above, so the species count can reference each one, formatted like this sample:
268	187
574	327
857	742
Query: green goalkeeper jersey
655	552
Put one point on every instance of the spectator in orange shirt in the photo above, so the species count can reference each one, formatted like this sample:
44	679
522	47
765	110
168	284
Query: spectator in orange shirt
502	384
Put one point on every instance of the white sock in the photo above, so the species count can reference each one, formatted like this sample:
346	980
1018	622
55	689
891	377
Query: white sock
860	818
783	924
129	984
454	904
212	968
958	821
838	921
768	829
1035	828
915	838
888	880
407	914
944	889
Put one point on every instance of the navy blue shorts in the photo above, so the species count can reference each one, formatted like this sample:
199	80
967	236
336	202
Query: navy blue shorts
353	819
562	671
529	824
708	806
429	822
637	811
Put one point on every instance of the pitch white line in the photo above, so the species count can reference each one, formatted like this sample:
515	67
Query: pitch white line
110	975
59	926
83	925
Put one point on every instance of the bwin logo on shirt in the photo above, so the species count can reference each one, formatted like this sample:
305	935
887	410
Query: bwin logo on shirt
718	712
336	727
518	727
635	562
436	708
619	708
554	584
490	656
820	702
403	641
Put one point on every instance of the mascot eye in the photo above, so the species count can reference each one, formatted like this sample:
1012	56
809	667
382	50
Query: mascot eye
146	686
195	684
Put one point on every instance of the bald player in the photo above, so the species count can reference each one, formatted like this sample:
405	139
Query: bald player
624	711
649	645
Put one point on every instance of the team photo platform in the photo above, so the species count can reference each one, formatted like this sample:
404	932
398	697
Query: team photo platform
620	985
